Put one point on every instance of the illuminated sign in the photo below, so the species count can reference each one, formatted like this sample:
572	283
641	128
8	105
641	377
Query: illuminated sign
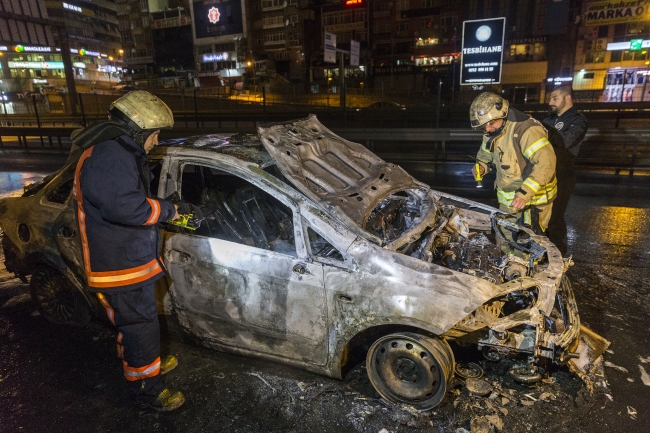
23	48
84	52
215	57
353	2
482	53
636	44
171	22
212	22
3	48
614	12
72	7
213	15
559	80
43	65
39	81
615	46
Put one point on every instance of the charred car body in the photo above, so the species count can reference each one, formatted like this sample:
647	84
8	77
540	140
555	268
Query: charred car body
307	249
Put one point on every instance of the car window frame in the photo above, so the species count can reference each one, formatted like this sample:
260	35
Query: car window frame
313	218
55	183
256	180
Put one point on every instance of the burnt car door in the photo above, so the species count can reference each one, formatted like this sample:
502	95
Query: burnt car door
243	278
64	229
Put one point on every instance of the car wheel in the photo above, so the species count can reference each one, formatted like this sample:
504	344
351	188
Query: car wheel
410	368
57	299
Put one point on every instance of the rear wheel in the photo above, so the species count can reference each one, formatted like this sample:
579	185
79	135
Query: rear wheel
57	299
408	368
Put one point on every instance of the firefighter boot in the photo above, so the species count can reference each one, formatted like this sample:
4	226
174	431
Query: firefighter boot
168	363
167	400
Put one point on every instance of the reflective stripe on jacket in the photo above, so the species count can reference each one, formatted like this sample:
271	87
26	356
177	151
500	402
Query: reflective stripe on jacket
117	217
524	161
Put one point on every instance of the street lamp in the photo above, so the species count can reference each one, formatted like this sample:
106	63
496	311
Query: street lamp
328	90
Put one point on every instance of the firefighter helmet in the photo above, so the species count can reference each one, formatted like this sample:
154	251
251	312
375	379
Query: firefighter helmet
142	111
486	107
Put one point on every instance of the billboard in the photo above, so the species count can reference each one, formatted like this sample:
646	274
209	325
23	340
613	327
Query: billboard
617	12
482	53
214	18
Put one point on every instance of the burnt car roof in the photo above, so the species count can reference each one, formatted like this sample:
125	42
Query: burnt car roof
246	147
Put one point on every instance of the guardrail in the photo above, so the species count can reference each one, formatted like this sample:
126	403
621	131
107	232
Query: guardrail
622	148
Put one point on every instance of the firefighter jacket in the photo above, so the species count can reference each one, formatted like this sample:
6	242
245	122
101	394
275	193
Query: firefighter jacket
117	217
523	158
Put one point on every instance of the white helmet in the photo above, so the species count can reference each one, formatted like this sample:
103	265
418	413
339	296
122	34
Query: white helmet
142	111
486	107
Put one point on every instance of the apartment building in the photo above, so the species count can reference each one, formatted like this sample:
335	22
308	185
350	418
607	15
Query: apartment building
284	38
93	36
612	63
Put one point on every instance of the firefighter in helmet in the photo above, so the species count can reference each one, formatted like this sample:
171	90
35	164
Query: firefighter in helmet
517	147
117	217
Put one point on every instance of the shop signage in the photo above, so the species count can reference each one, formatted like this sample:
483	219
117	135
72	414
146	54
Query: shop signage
39	81
396	70
214	18
32	49
215	57
345	27
43	65
213	15
616	46
329	48
559	80
208	74
615	12
171	22
482	53
540	39
3	48
72	7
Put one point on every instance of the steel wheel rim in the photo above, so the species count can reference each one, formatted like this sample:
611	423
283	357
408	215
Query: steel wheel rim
57	302
406	368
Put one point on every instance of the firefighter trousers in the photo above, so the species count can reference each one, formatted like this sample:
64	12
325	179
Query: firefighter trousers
557	231
135	316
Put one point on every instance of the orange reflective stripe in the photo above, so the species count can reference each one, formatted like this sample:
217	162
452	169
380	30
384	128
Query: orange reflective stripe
124	277
155	212
81	217
138	373
109	310
76	185
108	279
120	348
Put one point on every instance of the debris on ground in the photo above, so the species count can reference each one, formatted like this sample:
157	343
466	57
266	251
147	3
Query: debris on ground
616	367
644	376
632	412
478	387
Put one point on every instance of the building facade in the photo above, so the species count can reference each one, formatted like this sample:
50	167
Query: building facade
612	63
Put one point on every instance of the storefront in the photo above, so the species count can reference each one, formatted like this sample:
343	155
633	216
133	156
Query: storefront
627	85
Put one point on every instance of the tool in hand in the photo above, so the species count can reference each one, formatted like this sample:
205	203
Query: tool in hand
187	221
479	178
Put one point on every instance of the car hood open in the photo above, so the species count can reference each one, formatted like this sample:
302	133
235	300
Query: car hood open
341	176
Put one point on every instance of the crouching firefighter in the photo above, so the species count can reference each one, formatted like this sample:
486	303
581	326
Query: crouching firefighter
517	146
117	222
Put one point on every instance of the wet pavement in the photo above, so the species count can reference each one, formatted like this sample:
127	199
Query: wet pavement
56	378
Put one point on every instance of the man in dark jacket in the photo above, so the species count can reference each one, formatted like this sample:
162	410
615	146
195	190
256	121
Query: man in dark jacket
566	130
121	245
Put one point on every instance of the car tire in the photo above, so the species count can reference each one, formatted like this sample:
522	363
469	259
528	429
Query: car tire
57	299
409	368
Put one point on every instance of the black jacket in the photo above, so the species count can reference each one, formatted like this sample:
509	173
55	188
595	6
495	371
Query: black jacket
566	133
117	217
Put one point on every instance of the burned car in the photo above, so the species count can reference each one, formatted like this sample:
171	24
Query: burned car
301	247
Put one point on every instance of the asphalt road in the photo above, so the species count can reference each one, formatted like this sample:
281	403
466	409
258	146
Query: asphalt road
55	378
